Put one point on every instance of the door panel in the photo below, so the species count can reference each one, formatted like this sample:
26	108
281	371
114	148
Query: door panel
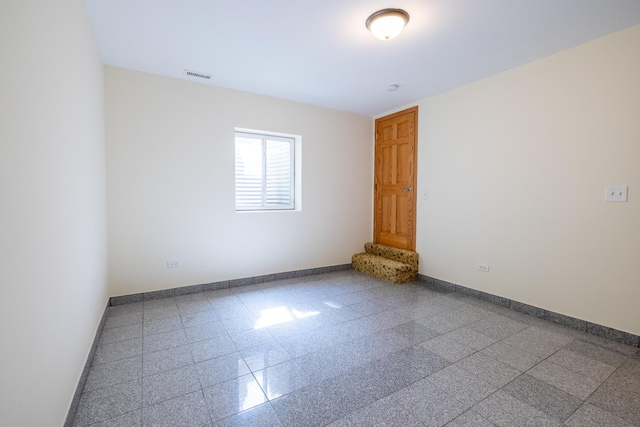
395	174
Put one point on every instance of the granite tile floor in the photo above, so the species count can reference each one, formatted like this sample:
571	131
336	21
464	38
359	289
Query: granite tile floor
343	349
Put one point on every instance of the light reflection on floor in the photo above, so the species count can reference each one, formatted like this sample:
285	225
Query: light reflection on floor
333	304
279	315
263	379
253	394
270	317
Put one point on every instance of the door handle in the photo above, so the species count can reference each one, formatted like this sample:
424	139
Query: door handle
408	189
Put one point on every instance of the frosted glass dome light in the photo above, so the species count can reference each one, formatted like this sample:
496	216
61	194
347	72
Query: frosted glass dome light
386	24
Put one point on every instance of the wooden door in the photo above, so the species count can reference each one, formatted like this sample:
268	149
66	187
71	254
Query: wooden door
395	180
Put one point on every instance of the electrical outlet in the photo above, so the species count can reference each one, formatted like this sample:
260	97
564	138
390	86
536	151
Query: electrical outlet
483	267
173	264
615	193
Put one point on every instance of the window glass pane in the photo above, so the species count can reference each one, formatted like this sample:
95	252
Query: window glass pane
249	173
278	189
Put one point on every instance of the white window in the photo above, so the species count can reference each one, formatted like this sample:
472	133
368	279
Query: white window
265	171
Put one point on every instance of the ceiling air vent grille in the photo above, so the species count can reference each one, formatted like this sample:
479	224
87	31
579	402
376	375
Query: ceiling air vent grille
196	74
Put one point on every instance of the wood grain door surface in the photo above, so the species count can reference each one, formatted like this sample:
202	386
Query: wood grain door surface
395	179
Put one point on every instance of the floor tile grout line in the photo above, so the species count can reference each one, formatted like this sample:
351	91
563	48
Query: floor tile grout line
201	389
578	373
582	401
526	372
143	404
520	374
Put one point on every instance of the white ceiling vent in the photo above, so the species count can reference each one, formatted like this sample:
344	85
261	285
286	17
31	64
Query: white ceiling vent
196	74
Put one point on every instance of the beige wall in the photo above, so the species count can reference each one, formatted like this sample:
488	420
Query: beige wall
515	167
170	168
52	199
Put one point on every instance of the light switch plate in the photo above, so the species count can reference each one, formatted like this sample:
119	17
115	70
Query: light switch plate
615	193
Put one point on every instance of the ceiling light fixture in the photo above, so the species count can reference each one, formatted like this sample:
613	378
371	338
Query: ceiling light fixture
385	24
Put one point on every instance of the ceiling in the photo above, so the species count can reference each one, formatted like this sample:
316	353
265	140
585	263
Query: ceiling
319	51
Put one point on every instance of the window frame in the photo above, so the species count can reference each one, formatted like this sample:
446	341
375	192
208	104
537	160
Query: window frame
294	170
